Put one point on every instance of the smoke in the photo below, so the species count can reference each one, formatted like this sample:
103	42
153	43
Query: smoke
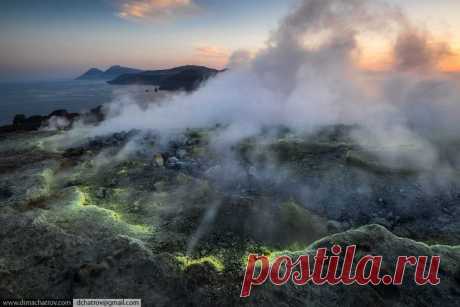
239	58
307	77
416	50
56	123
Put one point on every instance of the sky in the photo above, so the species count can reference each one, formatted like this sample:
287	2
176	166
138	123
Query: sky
55	39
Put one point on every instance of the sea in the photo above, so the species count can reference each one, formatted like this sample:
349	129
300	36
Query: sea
43	97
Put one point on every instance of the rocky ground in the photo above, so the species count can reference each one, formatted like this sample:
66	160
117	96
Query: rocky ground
172	222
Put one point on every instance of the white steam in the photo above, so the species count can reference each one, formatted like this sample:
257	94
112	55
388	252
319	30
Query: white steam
307	77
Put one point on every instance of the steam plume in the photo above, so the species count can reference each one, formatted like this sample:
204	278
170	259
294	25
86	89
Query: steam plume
306	78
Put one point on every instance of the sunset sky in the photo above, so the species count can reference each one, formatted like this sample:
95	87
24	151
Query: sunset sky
52	39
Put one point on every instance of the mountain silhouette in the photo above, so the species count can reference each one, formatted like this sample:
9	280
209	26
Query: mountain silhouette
111	73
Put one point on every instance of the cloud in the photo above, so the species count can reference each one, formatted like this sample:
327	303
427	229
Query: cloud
156	9
212	52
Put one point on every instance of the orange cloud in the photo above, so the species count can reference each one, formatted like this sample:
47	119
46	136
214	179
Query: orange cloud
375	62
208	55
212	52
156	9
451	63
409	51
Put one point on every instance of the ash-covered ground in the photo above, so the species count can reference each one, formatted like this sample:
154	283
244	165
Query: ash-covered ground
172	221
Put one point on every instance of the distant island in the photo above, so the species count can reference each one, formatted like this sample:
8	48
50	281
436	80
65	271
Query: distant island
187	77
111	73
